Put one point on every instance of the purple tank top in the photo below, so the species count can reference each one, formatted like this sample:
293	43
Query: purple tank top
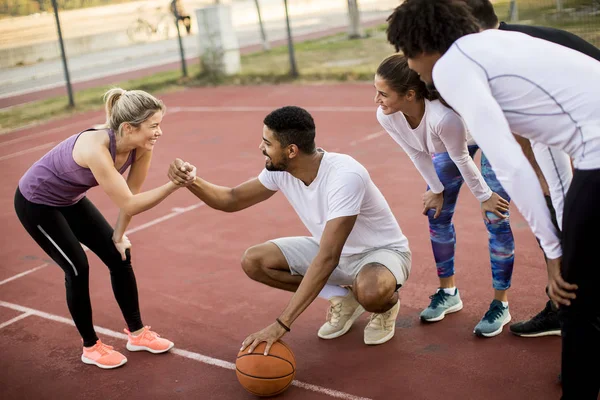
57	180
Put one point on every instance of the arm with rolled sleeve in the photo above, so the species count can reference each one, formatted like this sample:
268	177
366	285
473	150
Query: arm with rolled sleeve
464	85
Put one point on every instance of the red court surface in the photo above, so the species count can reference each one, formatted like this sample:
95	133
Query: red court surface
194	292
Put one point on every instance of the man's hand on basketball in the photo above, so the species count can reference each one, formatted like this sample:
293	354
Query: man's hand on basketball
182	173
559	290
433	200
270	334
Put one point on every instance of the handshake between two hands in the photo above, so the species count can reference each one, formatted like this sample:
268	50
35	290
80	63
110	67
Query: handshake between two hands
182	173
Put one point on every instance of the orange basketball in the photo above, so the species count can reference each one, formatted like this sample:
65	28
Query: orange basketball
266	375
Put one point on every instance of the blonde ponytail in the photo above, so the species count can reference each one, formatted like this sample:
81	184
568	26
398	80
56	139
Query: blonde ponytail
110	98
129	106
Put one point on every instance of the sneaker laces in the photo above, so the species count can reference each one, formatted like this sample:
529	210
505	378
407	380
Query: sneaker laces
542	315
381	321
148	334
495	311
438	298
334	313
102	348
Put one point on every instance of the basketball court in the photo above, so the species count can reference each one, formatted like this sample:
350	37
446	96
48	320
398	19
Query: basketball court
193	291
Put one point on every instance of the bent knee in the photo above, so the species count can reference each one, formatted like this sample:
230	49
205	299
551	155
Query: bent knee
252	262
375	287
258	259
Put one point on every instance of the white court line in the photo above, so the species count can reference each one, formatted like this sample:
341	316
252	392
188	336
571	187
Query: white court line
12	278
176	211
15	319
267	108
29	150
368	137
172	110
44	133
180	352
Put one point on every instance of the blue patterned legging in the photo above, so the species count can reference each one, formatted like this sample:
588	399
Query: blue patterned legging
441	229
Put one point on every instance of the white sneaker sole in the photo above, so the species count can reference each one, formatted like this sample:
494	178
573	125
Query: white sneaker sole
132	347
357	313
450	310
383	339
556	332
89	361
496	332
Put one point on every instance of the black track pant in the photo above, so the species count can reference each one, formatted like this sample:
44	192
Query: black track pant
59	232
581	266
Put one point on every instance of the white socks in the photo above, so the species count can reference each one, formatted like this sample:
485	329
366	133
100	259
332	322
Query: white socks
330	291
450	291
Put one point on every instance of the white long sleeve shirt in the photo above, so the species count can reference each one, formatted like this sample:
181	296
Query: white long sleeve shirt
439	131
502	82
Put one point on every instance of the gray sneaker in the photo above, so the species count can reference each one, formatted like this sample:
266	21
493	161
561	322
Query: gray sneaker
342	313
494	319
441	304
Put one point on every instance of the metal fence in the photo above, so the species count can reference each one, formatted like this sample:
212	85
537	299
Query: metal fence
582	17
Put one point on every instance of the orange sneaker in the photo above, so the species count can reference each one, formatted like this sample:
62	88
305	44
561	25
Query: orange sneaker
103	356
149	341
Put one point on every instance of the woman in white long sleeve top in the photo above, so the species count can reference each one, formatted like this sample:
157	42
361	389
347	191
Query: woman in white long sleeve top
437	142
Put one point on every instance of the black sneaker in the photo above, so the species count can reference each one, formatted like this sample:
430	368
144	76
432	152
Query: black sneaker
545	323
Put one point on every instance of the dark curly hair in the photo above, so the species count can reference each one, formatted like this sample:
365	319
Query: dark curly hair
293	125
429	26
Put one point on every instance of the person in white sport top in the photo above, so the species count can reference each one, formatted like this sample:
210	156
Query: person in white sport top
355	239
501	82
437	142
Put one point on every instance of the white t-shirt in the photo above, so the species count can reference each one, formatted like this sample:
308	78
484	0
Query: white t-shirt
502	82
439	131
342	188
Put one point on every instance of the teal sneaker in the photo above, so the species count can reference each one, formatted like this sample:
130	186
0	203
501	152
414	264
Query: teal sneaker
441	304
494	319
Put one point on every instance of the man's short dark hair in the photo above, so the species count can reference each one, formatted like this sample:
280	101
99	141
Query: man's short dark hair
293	125
483	11
429	26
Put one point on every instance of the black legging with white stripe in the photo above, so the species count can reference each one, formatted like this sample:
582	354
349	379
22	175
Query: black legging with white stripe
59	232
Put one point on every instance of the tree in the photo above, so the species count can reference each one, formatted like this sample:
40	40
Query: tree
354	29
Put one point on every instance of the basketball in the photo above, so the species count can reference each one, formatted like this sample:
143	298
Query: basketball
266	375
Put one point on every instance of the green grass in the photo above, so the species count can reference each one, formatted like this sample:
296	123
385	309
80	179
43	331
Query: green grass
577	15
332	58
85	100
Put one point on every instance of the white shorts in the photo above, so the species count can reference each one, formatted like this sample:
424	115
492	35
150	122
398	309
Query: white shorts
299	251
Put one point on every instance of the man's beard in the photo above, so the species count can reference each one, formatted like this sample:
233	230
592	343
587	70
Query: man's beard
270	166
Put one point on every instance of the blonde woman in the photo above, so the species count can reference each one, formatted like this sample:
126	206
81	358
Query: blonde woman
51	203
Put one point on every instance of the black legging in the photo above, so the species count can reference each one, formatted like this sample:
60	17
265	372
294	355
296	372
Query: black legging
580	322
59	232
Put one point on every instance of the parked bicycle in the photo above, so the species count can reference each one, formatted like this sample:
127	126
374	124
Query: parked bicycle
142	30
